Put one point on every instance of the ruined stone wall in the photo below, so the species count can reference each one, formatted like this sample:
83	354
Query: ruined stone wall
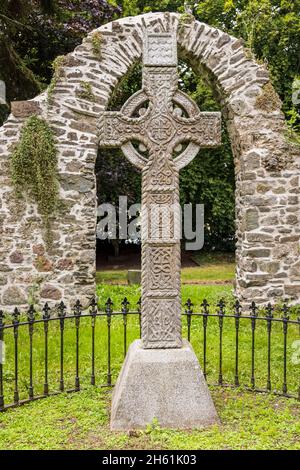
267	166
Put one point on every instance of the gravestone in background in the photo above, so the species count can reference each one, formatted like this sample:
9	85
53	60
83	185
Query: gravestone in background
134	276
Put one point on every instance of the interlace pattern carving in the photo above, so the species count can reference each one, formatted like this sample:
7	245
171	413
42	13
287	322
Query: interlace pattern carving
161	118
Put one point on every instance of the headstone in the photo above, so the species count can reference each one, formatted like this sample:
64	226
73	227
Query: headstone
170	130
134	276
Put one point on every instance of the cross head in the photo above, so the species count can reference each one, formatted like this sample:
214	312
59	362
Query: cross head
160	130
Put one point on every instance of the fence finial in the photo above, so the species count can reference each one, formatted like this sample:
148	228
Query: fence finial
61	310
16	316
31	314
77	308
46	311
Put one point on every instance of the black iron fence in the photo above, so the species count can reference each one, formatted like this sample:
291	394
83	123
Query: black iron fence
234	349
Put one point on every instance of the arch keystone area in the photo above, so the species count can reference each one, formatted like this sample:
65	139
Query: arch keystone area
267	166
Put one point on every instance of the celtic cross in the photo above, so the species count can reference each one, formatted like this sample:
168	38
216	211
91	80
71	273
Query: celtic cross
160	130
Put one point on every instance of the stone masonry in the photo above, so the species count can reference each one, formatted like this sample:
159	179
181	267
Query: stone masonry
267	166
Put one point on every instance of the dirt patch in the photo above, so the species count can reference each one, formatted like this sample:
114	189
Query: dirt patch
102	438
130	258
121	282
207	283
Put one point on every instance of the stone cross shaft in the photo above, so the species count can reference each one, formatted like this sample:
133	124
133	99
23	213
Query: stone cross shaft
160	130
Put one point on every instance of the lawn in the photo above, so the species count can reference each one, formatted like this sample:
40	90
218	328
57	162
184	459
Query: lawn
80	420
212	268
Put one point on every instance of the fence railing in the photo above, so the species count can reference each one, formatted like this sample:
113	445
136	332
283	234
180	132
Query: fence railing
234	349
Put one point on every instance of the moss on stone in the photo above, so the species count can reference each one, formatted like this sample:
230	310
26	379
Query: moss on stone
97	39
86	91
57	65
186	18
263	188
249	54
33	168
292	137
268	100
33	291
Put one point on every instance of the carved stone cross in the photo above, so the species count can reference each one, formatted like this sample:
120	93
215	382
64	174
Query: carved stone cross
160	130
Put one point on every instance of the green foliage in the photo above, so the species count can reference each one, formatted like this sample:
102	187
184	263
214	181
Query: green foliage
186	18
116	177
86	91
80	421
270	29
57	65
114	174
135	7
292	137
21	82
97	42
248	420
209	179
34	32
34	168
129	84
268	100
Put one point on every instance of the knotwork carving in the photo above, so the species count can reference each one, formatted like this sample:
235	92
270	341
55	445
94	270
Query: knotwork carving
160	262
160	118
163	326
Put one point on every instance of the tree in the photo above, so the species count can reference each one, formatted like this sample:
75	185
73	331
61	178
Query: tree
271	30
209	179
34	32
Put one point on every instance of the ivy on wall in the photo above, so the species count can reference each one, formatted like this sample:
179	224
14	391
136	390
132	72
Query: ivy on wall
96	43
34	168
57	65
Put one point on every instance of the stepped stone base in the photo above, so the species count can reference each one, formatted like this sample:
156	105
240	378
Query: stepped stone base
163	384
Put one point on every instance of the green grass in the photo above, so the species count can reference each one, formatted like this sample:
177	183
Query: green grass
214	272
117	293
81	421
212	267
195	292
197	274
111	276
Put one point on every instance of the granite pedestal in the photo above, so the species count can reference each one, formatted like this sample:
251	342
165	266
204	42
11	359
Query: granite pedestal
163	384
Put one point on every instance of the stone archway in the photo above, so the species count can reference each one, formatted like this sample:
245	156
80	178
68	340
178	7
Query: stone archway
266	165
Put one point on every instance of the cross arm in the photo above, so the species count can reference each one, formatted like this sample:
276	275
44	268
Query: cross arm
115	129
203	130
